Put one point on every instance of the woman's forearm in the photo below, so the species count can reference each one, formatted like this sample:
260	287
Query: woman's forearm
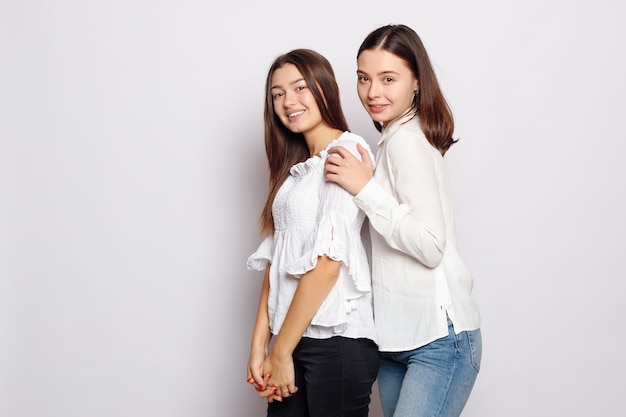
312	290
262	334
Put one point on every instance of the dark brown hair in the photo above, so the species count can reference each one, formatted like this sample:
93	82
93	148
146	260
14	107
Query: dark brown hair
285	148
429	103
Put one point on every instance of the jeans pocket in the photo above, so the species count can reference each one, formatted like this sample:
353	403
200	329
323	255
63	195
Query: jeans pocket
476	347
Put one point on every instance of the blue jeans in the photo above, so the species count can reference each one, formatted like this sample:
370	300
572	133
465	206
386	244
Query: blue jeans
431	381
334	379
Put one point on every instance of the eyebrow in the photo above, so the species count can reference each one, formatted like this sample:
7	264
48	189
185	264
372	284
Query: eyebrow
291	83
380	73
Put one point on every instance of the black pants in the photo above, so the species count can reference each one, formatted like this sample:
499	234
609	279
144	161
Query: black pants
334	379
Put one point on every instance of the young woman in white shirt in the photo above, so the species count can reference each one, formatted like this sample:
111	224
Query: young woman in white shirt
316	296
427	323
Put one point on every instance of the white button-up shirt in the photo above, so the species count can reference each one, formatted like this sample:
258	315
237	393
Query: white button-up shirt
417	274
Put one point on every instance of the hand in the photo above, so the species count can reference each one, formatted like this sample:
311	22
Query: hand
282	375
343	168
257	379
255	367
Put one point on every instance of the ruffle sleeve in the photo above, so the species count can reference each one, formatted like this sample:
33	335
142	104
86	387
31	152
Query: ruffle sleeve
338	236
259	260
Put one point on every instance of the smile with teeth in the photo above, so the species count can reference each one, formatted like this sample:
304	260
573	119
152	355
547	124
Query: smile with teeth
295	114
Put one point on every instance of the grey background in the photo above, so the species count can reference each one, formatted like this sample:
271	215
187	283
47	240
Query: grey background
132	173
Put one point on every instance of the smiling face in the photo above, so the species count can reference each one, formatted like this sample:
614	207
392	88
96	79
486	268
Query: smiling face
293	101
386	85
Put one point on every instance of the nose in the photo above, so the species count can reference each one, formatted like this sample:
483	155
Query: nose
373	90
289	99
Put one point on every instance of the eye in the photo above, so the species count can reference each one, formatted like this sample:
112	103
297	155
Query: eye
363	79
276	96
388	80
301	87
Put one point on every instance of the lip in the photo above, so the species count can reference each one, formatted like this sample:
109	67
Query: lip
377	108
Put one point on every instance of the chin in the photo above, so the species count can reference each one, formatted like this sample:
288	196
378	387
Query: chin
377	118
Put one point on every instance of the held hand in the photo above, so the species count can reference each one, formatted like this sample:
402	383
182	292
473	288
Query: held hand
343	168
282	374
255	369
257	379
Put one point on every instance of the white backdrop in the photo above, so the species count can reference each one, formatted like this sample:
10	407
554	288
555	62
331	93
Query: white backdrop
132	172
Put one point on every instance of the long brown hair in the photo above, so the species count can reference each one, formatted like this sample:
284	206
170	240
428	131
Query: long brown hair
429	103
285	148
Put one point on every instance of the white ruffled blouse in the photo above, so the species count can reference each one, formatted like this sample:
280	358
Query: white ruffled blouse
313	217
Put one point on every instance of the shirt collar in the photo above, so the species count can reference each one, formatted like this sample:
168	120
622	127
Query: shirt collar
396	124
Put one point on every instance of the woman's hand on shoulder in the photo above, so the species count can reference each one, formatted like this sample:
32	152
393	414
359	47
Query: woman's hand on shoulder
343	168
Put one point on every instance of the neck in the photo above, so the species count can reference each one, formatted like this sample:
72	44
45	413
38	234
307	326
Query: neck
317	140
408	114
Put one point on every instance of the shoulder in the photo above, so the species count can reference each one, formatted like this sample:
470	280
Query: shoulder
408	146
410	138
350	141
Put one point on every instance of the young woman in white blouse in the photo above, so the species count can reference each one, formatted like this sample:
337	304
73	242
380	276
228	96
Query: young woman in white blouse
316	295
428	326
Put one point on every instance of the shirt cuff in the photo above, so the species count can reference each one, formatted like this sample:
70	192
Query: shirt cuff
371	197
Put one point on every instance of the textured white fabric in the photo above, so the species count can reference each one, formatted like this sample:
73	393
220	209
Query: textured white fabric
417	273
311	218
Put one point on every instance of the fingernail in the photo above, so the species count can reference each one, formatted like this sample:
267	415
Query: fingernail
260	386
249	380
274	389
